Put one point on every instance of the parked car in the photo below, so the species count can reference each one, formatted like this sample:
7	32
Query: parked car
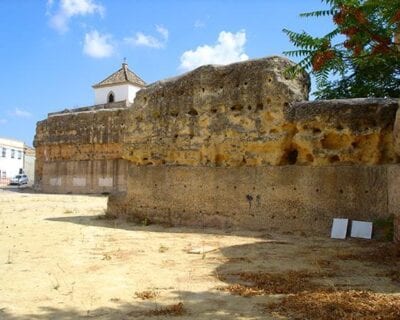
19	179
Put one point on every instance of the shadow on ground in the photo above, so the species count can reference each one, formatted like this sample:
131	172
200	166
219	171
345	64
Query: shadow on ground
258	274
194	306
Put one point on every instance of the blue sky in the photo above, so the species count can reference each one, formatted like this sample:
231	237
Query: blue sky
51	52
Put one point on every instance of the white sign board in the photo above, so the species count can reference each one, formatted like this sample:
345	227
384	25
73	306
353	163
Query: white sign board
361	229
339	228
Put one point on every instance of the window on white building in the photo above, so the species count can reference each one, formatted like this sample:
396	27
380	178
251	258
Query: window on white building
110	97
19	154
12	153
3	152
4	174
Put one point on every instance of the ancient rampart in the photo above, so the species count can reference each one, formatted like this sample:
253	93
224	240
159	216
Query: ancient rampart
234	145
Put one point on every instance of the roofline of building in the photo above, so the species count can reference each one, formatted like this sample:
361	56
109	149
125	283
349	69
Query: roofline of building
96	86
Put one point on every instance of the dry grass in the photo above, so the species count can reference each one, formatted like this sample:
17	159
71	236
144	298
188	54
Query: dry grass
333	305
170	310
146	295
259	283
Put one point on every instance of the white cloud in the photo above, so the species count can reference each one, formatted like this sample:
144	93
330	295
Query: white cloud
17	112
70	8
143	40
3	121
199	24
163	32
228	49
98	45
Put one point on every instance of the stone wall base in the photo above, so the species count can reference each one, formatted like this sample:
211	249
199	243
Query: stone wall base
91	176
286	198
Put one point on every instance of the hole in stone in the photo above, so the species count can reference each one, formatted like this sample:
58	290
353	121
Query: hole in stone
234	187
305	127
237	107
214	110
193	112
294	217
254	188
202	89
272	217
366	191
145	159
273	131
341	190
174	113
292	156
294	188
333	159
268	100
355	144
217	187
245	83
155	184
249	107
310	157
259	107
184	185
339	127
273	188
145	99
175	136
316	130
221	87
286	104
317	190
269	79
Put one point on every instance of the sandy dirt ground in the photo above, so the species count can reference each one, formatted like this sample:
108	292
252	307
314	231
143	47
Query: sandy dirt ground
60	259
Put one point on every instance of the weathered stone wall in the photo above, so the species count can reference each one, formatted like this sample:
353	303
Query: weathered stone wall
347	131
84	138
85	176
216	116
285	198
229	145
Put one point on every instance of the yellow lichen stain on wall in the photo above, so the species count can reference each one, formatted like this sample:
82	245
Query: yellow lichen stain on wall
245	114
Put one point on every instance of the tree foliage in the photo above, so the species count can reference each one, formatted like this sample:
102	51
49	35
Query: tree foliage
362	52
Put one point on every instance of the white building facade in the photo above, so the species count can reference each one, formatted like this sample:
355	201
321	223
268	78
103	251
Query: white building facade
11	158
122	85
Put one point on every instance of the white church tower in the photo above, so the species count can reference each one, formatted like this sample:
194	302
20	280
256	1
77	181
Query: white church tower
120	86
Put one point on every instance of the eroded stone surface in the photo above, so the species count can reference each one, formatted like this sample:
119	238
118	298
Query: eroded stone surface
216	116
229	146
344	131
